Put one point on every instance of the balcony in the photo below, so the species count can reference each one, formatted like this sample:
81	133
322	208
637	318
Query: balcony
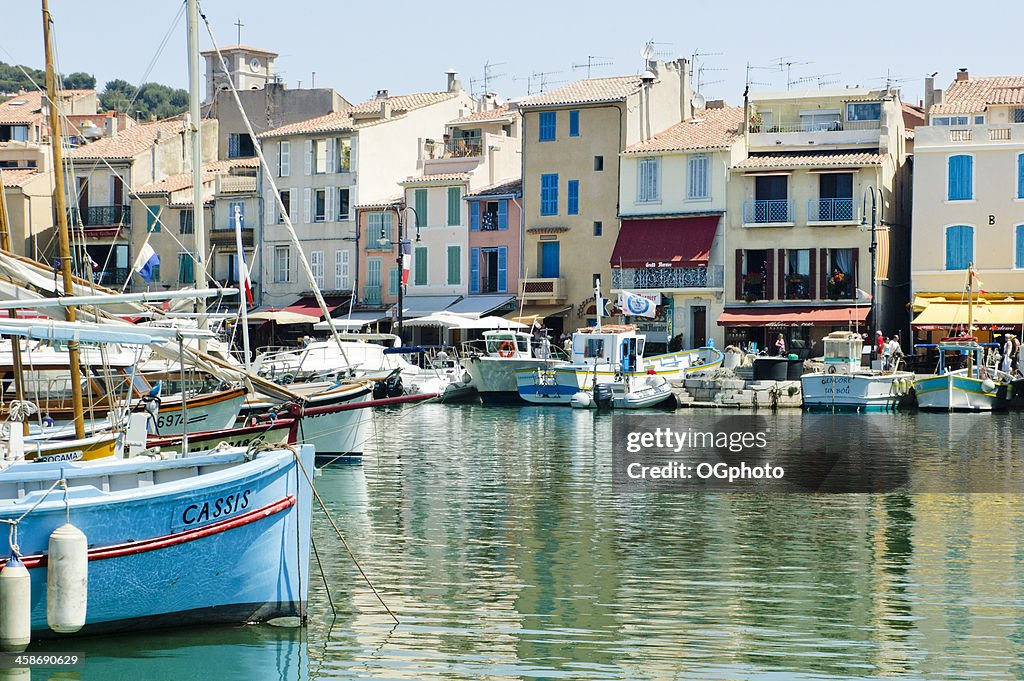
768	212
372	295
831	211
544	289
236	184
102	216
225	236
464	147
942	135
803	134
667	278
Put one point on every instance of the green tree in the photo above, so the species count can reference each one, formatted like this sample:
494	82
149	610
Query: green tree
79	80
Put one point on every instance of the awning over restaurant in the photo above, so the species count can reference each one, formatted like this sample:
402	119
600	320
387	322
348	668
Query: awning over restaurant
357	320
794	316
667	242
987	315
480	306
421	306
535	313
307	305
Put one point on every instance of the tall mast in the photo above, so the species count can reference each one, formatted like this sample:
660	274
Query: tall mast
60	203
199	227
5	244
970	314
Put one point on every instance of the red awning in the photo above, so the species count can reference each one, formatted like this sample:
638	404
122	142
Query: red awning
307	305
667	242
794	316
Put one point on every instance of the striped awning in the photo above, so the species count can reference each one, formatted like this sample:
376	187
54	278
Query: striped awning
882	254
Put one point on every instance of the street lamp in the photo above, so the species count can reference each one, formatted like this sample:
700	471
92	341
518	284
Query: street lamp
385	238
874	248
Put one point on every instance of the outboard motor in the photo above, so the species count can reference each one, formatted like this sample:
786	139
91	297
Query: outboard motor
394	386
603	395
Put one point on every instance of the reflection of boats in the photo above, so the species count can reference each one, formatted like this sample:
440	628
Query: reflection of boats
844	384
962	381
606	354
492	363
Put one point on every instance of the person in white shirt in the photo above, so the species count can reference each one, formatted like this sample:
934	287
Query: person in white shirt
895	351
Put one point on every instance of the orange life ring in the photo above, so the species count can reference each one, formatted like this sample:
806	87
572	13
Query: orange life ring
507	349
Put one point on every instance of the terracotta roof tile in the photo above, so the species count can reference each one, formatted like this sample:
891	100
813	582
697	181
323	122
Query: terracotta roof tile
503	113
438	177
181	181
403	102
974	94
17	177
586	91
359	116
514	187
708	129
809	160
129	142
29	106
380	203
338	121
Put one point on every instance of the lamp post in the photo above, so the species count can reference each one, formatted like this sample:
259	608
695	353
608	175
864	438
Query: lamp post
873	250
385	238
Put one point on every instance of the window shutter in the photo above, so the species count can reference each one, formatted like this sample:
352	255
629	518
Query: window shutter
454	265
812	274
769	275
474	216
270	205
284	158
503	214
232	146
823	274
474	270
329	195
855	266
332	145
960	169
1020	176
454	198
308	162
1019	260
573	197
307	205
782	273
502	269
420	263
394	281
739	274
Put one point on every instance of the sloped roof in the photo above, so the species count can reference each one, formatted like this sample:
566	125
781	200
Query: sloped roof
246	48
129	142
975	93
18	177
438	177
503	113
361	115
587	91
381	203
403	102
707	129
337	121
809	160
514	187
26	107
181	181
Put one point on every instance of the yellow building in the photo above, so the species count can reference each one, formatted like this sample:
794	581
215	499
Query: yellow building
798	233
969	206
572	138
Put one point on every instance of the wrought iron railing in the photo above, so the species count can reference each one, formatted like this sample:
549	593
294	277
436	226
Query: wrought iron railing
668	277
97	216
830	210
767	211
812	126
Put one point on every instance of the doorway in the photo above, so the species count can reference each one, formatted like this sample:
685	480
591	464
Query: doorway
699	326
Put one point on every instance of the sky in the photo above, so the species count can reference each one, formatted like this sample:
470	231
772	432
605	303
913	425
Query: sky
406	46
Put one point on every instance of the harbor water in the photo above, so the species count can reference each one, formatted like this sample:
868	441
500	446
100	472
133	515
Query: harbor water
499	540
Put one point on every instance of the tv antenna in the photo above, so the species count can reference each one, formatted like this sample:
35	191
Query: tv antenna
593	61
819	78
649	51
697	54
538	79
891	80
787	64
489	76
748	82
700	82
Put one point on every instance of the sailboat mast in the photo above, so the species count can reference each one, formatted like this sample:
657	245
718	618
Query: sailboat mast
60	204
970	313
199	226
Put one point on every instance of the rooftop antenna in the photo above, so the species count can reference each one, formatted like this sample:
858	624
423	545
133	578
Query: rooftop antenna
538	80
650	51
592	61
819	78
700	76
787	64
489	76
751	67
891	80
696	54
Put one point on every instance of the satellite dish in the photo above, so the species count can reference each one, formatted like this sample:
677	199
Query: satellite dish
647	51
697	101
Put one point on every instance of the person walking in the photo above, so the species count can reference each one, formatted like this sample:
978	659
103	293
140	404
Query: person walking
780	346
1014	354
895	351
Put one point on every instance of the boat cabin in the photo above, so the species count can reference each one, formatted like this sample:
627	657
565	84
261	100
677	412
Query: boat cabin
509	344
843	352
954	354
617	345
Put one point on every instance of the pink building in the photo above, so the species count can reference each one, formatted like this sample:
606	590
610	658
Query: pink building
495	239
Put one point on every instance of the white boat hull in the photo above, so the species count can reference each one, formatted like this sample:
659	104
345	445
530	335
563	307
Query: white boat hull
956	391
495	377
858	391
337	430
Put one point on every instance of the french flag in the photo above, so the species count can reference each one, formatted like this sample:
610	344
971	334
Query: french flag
146	263
406	261
243	273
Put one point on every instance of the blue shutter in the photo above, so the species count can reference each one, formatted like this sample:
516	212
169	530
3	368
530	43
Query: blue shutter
1020	247
474	270
503	214
547	126
502	269
574	124
960	171
573	192
959	247
549	252
1020	176
474	216
549	194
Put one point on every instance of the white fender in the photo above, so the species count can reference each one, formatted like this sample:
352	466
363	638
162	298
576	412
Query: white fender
15	606
67	579
581	400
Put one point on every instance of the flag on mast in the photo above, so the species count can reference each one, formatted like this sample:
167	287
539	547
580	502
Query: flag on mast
146	263
636	306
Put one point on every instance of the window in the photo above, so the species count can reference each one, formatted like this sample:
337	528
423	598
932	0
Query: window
1017	115
454	206
864	111
754	274
959	247
282	264
598	228
420	206
231	213
598	163
420	264
344	204
573	195
595	279
371	294
152	218
771	202
797	274
698	185
979	120
320	205
283	158
240	145
488	270
549	194
379	234
574	124
342	278
1020	176
814	121
344	155
286	200
547	126
835	202
961	176
316	266
185	222
488	216
454	265
1018	259
186	269
320	160
949	120
841	273
394	281
648	188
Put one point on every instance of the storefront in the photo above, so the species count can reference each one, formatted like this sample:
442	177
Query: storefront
756	328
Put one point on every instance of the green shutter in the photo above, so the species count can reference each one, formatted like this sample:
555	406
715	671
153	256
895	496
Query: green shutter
186	269
421	207
454	199
454	265
152	221
421	267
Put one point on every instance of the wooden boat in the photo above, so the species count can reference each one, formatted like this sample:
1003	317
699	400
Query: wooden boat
845	385
279	431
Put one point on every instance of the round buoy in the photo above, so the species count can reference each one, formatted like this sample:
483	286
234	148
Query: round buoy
988	385
15	606
67	579
581	400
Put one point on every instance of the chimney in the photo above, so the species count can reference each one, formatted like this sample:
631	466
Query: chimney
385	108
962	75
382	94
